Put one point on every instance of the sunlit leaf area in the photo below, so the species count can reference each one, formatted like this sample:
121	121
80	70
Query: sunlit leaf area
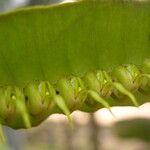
126	128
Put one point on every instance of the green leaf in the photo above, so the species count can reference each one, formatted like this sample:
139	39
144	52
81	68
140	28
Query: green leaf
48	42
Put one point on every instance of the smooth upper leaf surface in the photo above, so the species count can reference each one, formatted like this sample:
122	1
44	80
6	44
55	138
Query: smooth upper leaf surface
46	43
